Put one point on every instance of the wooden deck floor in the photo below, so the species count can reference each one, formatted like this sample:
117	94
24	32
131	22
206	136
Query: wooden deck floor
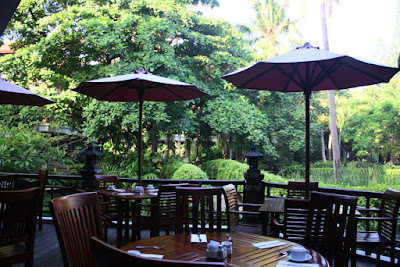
47	252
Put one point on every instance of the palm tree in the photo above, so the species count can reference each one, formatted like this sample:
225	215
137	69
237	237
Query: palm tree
324	5
270	24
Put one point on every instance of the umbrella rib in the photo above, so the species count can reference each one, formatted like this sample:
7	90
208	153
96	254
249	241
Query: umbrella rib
177	95
296	73
243	85
326	74
365	73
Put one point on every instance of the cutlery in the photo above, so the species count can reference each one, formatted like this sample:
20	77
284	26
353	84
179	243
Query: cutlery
155	247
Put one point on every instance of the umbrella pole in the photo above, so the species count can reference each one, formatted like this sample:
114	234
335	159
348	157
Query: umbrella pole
307	103
140	152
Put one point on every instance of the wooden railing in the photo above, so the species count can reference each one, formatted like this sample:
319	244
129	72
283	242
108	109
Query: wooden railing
67	184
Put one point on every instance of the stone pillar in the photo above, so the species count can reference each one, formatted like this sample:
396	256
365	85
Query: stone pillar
90	168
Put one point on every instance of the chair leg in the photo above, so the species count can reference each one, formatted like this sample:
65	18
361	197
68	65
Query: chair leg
105	232
378	257
40	219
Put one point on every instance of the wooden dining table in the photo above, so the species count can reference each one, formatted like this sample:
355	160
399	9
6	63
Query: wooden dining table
129	204
179	247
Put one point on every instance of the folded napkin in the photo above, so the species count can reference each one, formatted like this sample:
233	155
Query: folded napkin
294	264
126	194
202	238
144	255
269	244
119	190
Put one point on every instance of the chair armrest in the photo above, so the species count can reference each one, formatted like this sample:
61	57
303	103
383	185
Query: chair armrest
276	222
245	212
250	205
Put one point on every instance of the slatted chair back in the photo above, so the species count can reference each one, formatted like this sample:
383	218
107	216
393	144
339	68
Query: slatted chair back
103	181
297	189
231	204
107	255
77	218
18	215
41	182
389	207
331	226
7	181
295	220
166	205
199	210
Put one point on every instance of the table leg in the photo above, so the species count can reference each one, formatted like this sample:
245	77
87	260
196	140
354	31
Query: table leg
120	219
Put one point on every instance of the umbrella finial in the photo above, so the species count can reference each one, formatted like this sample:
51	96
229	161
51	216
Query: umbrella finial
140	71
307	45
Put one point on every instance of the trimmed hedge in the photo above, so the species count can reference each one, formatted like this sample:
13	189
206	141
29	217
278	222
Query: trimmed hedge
225	169
170	168
188	171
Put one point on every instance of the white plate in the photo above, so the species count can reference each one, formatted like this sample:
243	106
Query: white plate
309	257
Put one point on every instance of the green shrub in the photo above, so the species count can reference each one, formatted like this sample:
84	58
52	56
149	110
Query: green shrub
221	169
170	167
189	171
25	150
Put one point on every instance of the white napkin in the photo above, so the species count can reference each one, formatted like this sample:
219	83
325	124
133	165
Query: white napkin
293	264
126	194
144	255
198	239
119	190
269	244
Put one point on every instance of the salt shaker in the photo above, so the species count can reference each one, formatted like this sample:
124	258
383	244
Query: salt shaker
228	246
220	253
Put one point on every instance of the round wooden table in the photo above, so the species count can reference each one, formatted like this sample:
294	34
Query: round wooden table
179	247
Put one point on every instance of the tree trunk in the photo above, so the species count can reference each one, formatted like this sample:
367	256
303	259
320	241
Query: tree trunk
166	152
323	152
179	144
331	100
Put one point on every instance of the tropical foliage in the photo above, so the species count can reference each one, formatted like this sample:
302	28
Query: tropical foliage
58	44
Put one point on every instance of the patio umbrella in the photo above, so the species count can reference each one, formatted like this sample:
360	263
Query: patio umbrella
15	95
141	86
308	69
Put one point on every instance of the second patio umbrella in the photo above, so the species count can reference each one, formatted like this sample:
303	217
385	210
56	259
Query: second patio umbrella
308	69
15	95
139	86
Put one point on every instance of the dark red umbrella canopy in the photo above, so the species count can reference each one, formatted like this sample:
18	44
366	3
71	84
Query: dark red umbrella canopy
126	88
141	86
308	69
15	95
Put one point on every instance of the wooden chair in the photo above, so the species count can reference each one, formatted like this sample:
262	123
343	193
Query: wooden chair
7	181
199	208
163	212
108	206
331	227
297	189
106	255
77	218
41	182
236	211
18	215
295	220
387	218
